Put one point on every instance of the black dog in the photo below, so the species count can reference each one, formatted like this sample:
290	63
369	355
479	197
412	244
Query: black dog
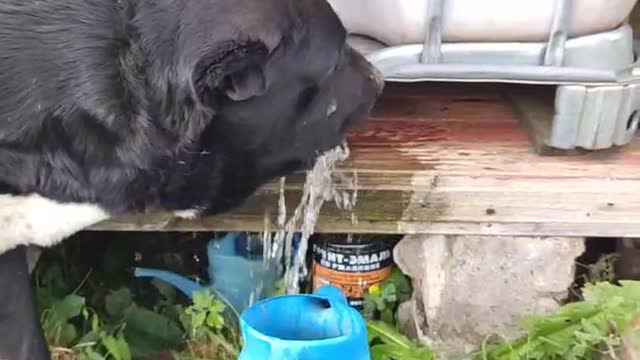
115	106
176	104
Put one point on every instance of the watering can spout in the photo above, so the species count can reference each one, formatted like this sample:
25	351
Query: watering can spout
188	287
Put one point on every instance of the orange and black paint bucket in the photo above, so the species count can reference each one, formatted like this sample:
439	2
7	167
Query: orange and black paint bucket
352	263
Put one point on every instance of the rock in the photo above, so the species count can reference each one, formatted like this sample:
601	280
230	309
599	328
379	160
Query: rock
410	258
409	254
469	287
406	319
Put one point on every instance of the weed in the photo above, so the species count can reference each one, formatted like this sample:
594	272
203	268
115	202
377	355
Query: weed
209	334
589	329
381	302
387	343
380	305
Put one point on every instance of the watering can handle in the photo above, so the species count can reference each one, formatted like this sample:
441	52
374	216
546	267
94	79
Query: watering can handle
332	294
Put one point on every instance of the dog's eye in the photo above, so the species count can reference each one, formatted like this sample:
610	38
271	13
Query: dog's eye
307	96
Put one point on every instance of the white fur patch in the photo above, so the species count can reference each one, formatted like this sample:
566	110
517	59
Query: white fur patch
187	214
35	220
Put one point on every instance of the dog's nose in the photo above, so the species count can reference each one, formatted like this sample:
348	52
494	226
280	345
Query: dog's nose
378	78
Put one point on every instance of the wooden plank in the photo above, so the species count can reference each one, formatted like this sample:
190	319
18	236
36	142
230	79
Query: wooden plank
453	159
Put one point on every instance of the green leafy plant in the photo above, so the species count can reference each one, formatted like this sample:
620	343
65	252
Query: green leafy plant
124	330
206	314
146	331
590	329
387	343
209	333
385	340
57	319
88	311
382	300
64	324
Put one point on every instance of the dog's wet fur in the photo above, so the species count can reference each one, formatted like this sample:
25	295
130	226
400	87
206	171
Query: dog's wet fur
174	104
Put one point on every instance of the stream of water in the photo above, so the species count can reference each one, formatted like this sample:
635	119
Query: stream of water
322	184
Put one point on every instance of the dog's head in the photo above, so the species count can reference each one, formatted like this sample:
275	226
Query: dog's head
280	82
299	102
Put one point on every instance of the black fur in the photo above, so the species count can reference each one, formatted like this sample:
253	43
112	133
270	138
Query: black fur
22	337
176	104
171	103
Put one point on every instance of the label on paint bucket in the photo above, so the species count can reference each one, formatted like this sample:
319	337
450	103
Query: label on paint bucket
352	267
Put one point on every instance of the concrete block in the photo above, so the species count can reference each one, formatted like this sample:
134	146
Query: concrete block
469	287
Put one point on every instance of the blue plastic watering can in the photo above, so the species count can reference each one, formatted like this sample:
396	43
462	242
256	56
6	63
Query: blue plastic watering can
239	275
320	326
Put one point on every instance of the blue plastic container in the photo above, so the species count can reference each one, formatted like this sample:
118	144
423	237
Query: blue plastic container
320	326
238	274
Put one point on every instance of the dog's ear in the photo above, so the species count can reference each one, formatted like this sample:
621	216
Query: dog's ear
233	69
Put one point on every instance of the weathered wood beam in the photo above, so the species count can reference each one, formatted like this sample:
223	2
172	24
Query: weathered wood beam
453	159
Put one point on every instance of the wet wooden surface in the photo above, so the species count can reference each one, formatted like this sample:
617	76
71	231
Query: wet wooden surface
453	159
